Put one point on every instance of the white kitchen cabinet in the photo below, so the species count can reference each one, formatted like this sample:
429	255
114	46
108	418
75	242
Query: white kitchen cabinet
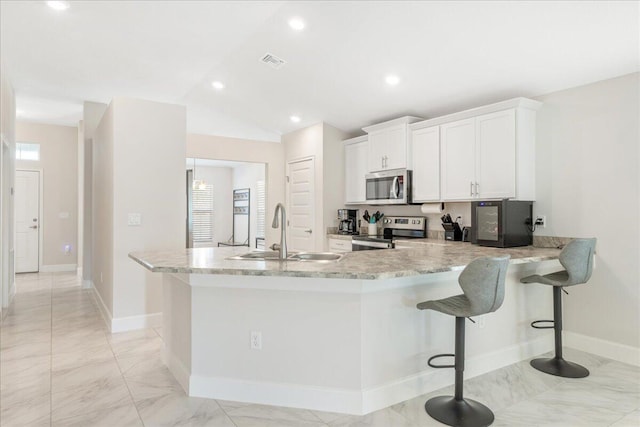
488	156
356	151
339	245
389	145
426	164
496	155
458	159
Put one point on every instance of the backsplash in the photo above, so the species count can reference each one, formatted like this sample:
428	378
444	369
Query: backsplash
434	223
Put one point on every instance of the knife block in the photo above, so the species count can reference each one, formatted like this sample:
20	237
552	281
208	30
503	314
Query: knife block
452	231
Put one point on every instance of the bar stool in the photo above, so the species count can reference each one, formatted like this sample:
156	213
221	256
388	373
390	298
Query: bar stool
577	259
482	282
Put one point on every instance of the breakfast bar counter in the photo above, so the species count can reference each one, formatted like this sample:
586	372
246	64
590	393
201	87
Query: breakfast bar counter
342	336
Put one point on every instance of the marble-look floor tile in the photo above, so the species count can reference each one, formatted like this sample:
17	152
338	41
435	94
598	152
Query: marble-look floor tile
139	364
383	418
12	339
177	409
159	331
75	358
83	376
78	342
141	342
34	411
328	417
266	412
630	420
148	380
105	394
25	373
18	351
122	416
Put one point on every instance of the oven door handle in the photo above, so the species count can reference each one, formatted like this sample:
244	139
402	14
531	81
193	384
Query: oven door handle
394	191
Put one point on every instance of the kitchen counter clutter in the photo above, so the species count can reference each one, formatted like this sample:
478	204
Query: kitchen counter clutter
418	258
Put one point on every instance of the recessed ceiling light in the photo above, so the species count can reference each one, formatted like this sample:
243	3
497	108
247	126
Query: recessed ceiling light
392	80
217	85
59	5
295	119
296	23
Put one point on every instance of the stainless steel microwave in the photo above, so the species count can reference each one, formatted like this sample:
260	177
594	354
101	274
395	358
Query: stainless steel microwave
392	187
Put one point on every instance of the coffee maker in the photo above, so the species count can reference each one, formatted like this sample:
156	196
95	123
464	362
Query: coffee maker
348	221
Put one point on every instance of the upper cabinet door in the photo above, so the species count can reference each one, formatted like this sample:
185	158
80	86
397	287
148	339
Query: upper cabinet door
496	155
458	159
396	147
355	169
426	164
377	150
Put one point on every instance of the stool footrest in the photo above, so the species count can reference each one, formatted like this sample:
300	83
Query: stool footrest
534	324
437	356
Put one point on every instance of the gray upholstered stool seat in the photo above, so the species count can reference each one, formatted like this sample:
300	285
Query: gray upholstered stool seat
482	282
577	259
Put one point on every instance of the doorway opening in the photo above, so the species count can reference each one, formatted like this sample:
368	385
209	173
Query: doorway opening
226	202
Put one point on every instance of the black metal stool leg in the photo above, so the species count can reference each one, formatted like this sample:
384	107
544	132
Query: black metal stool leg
458	411
557	365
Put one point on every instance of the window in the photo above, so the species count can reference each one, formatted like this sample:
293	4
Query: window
27	151
203	214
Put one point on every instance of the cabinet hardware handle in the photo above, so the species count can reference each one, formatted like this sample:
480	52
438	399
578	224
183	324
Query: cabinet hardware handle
308	231
471	189
477	189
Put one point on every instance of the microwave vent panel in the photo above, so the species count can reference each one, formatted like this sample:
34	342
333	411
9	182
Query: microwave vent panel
272	61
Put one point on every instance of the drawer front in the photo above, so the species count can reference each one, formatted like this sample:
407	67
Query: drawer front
338	245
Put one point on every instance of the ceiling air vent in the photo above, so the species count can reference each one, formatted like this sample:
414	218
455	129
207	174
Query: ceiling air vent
272	61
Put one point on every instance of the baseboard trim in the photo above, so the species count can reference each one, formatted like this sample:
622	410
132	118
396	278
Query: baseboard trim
102	307
122	324
131	323
54	268
609	349
355	402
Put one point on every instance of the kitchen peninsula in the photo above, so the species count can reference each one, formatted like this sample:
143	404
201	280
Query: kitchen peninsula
336	336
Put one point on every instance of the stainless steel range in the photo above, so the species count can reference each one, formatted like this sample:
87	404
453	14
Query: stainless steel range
393	227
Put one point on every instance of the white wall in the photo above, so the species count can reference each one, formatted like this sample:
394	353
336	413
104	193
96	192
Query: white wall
59	165
139	154
102	207
7	178
244	150
92	113
588	186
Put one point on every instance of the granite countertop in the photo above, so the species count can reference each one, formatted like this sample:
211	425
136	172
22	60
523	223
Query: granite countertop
418	258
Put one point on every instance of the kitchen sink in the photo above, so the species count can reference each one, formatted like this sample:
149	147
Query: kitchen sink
258	256
316	256
301	256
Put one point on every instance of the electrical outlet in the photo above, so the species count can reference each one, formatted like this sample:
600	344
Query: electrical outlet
67	250
256	340
541	221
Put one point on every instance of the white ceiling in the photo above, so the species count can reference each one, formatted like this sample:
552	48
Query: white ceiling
449	56
215	163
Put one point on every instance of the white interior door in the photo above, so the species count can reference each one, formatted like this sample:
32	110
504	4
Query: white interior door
301	196
27	217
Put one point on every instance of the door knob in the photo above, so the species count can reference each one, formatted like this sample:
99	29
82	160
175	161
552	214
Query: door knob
308	231
34	226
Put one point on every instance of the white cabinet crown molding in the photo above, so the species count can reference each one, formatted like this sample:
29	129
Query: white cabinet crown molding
474	112
406	120
355	140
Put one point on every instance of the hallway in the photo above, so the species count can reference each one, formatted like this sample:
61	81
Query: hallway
59	366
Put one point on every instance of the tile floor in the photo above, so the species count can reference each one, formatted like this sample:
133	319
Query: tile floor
60	367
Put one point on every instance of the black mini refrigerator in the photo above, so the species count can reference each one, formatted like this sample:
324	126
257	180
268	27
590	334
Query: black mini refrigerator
501	223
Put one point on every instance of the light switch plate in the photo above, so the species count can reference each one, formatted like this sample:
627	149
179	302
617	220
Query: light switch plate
134	219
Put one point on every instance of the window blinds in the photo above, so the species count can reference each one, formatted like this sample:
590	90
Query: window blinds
261	210
203	214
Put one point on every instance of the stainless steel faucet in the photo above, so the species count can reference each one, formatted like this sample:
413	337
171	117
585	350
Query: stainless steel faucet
282	249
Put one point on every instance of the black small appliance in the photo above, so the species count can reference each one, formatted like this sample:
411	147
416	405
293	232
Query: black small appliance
348	222
501	223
